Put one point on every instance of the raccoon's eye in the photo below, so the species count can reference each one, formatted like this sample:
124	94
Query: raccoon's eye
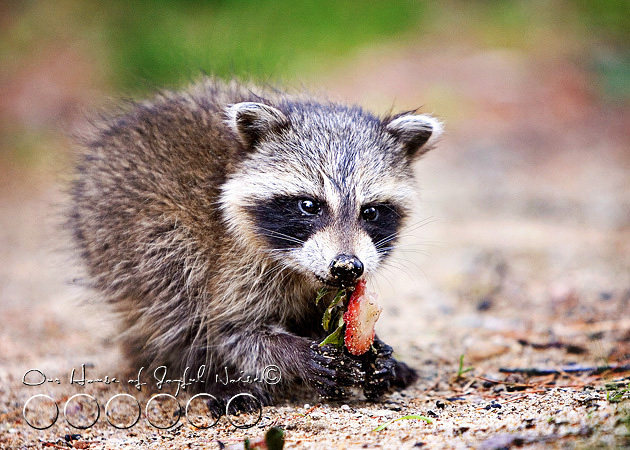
309	207
369	213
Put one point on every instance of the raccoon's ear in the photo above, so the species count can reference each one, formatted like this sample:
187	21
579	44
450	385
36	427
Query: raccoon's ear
417	133
251	121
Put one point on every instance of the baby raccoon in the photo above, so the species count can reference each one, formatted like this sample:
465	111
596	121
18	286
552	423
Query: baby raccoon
210	218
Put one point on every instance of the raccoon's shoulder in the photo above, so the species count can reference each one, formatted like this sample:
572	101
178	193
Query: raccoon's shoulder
176	134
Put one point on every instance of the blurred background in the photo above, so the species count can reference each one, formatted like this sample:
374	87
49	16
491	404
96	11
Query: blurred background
469	61
523	227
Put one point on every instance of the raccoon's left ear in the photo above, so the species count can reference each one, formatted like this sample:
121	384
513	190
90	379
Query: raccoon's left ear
251	121
417	133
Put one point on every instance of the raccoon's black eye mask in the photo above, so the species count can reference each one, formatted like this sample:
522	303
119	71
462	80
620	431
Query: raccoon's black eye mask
288	222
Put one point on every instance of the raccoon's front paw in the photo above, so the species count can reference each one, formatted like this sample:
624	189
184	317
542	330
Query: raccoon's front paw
379	370
404	375
383	372
332	369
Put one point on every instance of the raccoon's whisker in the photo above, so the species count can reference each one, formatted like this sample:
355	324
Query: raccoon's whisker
383	250
401	265
396	235
428	243
386	240
413	251
419	244
280	250
420	223
407	233
382	245
409	229
277	233
285	237
384	277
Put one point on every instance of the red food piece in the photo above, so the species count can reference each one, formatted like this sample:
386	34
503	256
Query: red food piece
360	319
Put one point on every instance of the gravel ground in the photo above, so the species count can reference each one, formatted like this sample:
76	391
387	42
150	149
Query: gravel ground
519	258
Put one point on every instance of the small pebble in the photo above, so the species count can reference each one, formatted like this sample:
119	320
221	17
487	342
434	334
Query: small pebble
72	437
380	413
484	304
605	296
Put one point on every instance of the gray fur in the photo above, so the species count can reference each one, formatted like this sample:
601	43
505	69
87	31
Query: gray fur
159	213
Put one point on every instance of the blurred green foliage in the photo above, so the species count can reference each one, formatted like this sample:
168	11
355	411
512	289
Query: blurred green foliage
607	19
162	41
134	45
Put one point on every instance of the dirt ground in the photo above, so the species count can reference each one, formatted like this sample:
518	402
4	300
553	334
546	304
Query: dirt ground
518	258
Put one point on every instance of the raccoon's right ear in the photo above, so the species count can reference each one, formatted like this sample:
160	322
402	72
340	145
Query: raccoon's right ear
251	121
416	133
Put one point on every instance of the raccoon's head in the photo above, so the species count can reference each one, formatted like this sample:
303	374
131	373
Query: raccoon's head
323	189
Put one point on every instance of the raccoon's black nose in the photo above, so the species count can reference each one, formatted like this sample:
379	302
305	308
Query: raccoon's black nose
346	269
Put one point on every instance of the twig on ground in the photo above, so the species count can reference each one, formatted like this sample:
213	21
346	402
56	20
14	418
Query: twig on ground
573	369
